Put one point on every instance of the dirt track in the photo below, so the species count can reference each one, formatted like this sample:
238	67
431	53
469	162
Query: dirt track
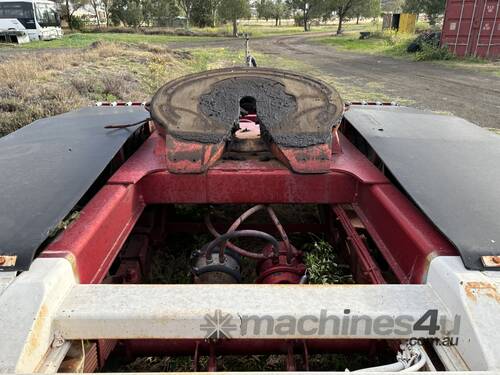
463	92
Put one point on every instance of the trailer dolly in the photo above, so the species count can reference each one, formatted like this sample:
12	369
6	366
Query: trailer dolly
405	198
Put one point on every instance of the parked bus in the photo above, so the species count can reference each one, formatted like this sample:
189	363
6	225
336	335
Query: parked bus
28	20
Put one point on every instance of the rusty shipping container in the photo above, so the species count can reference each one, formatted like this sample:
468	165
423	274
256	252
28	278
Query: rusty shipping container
472	27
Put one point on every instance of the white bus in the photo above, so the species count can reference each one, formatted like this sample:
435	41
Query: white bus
28	20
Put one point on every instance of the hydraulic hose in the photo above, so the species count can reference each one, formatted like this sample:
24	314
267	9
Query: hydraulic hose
282	232
242	233
238	222
245	215
229	244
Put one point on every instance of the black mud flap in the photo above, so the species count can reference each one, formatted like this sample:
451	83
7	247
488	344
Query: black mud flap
46	168
447	165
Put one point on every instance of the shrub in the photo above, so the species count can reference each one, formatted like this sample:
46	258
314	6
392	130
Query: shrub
430	52
77	23
429	37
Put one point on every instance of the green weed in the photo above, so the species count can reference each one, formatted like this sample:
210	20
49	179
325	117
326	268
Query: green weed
323	265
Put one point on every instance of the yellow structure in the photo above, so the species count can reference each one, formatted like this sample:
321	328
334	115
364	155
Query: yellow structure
407	22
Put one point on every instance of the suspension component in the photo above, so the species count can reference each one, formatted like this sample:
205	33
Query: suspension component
284	271
215	270
278	262
224	267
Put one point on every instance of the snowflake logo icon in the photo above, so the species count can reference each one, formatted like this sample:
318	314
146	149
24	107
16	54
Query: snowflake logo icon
218	326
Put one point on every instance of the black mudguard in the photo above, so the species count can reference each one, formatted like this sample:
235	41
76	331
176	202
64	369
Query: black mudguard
447	165
46	168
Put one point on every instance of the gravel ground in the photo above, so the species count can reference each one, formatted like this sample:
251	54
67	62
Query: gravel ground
473	95
466	93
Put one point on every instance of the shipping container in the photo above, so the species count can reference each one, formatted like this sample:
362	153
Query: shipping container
472	28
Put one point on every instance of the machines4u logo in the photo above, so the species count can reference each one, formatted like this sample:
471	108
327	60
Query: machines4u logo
218	326
429	325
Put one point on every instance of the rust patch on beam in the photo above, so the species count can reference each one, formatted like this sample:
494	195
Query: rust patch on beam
8	260
33	342
474	289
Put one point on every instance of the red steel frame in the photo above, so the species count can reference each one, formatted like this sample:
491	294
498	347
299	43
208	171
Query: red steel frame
406	239
403	236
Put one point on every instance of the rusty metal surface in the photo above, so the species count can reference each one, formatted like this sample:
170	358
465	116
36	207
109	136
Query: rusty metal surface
491	261
8	261
200	112
295	111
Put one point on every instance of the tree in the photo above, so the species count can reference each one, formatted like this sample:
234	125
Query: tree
432	8
132	14
351	8
213	5
343	7
392	6
309	9
264	9
106	5
272	9
280	10
201	14
412	6
232	10
95	6
164	11
370	8
187	8
69	7
136	12
116	11
128	12
148	11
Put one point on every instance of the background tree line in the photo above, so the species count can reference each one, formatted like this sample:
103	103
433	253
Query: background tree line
135	13
210	13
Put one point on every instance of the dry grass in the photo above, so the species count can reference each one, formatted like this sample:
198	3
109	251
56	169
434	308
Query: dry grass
41	84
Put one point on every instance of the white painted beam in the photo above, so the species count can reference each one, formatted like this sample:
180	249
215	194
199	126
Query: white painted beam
26	308
475	297
180	311
46	303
